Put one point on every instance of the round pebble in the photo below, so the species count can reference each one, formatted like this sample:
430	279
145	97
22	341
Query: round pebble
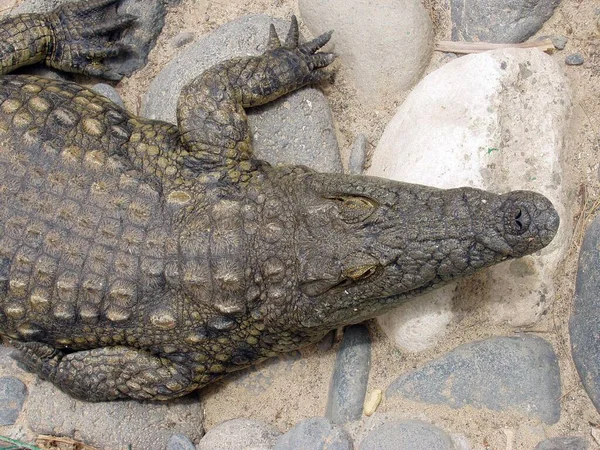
240	434
407	435
576	59
316	433
372	402
180	442
182	39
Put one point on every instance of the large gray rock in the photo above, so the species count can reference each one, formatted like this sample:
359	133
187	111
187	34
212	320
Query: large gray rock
384	46
141	36
518	374
12	395
111	424
499	20
495	121
240	434
584	322
296	129
407	435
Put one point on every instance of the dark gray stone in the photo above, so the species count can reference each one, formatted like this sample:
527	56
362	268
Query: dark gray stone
576	59
295	129
584	322
240	434
499	20
180	442
518	374
316	433
12	396
350	376
407	435
109	92
563	443
141	36
358	155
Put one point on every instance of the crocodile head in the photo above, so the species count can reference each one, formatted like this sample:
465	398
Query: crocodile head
364	244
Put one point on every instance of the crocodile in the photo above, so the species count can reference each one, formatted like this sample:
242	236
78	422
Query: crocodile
141	259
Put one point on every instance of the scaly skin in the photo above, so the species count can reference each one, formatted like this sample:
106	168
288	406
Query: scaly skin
143	260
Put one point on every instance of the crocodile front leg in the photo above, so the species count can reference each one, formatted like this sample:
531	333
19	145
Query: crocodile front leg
76	37
210	111
107	373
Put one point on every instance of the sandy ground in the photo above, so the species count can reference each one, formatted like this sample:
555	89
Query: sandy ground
285	391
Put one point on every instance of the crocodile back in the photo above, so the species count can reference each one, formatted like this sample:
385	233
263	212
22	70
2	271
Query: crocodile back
83	234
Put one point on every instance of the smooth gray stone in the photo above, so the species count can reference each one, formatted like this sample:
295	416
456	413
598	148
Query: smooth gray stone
576	59
141	36
407	435
501	374
563	443
350	376
316	433
358	155
559	42
12	396
182	39
499	20
584	322
240	434
180	442
109	92
295	129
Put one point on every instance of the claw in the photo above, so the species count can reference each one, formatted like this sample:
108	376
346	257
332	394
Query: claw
35	356
320	60
291	41
121	23
308	48
274	41
90	7
98	53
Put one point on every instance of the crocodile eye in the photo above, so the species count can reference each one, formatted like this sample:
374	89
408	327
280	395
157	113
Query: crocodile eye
354	208
360	273
517	220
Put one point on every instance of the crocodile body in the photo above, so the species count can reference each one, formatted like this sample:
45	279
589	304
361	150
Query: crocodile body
140	259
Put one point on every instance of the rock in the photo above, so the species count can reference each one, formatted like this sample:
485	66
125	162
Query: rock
141	36
496	121
499	20
180	442
110	424
517	374
109	92
240	434
584	322
350	376
358	155
576	59
382	61
563	443
296	129
182	39
327	342
407	435
559	42
12	395
317	433
372	402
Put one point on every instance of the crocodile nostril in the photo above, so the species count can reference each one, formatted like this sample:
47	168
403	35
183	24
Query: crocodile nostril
517	220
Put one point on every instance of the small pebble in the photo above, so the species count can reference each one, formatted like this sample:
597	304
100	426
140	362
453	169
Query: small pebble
358	155
12	396
560	42
180	442
372	402
576	59
182	39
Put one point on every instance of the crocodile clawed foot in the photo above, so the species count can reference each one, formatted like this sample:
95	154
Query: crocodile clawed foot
87	35
307	51
36	357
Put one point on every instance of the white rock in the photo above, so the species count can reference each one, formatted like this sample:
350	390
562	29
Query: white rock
494	121
385	45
